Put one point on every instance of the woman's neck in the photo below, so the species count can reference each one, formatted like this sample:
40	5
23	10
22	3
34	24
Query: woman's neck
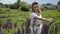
37	13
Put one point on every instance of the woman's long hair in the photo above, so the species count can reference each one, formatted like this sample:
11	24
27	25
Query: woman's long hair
32	10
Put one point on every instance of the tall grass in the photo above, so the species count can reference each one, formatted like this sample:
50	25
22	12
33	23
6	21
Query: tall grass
21	16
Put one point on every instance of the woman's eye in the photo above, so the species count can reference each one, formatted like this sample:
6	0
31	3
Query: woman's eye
36	7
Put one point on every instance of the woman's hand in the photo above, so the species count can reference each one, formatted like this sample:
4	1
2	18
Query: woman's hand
50	20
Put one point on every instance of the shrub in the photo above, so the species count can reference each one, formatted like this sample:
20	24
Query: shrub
58	8
1	11
25	8
14	7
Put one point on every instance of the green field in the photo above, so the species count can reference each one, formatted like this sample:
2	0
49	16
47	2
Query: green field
21	16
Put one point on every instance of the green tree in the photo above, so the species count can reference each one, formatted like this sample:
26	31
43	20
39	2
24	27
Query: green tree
58	3
58	6
25	6
15	5
1	3
23	3
18	3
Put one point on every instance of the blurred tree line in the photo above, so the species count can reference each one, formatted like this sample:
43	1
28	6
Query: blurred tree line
24	6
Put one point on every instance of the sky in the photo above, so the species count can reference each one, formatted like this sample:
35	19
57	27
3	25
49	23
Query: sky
42	1
8	1
30	1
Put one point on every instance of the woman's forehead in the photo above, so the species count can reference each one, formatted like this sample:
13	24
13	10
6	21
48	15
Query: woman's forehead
36	5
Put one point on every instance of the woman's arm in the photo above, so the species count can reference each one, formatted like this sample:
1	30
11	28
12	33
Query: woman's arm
44	19
36	17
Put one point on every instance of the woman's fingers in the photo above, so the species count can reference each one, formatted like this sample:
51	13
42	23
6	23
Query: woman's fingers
50	20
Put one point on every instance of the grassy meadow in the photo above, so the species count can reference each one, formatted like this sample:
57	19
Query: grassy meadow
21	16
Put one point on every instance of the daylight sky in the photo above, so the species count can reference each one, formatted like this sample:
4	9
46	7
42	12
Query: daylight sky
42	1
7	1
30	1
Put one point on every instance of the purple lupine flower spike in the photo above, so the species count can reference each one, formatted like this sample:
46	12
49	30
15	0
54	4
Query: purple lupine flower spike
28	30
18	31
22	28
9	24
15	24
5	26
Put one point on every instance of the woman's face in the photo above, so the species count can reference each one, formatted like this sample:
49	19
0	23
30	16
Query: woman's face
35	7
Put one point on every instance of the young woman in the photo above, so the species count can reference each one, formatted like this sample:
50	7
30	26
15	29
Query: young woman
36	18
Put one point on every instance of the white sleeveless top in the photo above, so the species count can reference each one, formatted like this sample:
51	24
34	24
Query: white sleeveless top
37	22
